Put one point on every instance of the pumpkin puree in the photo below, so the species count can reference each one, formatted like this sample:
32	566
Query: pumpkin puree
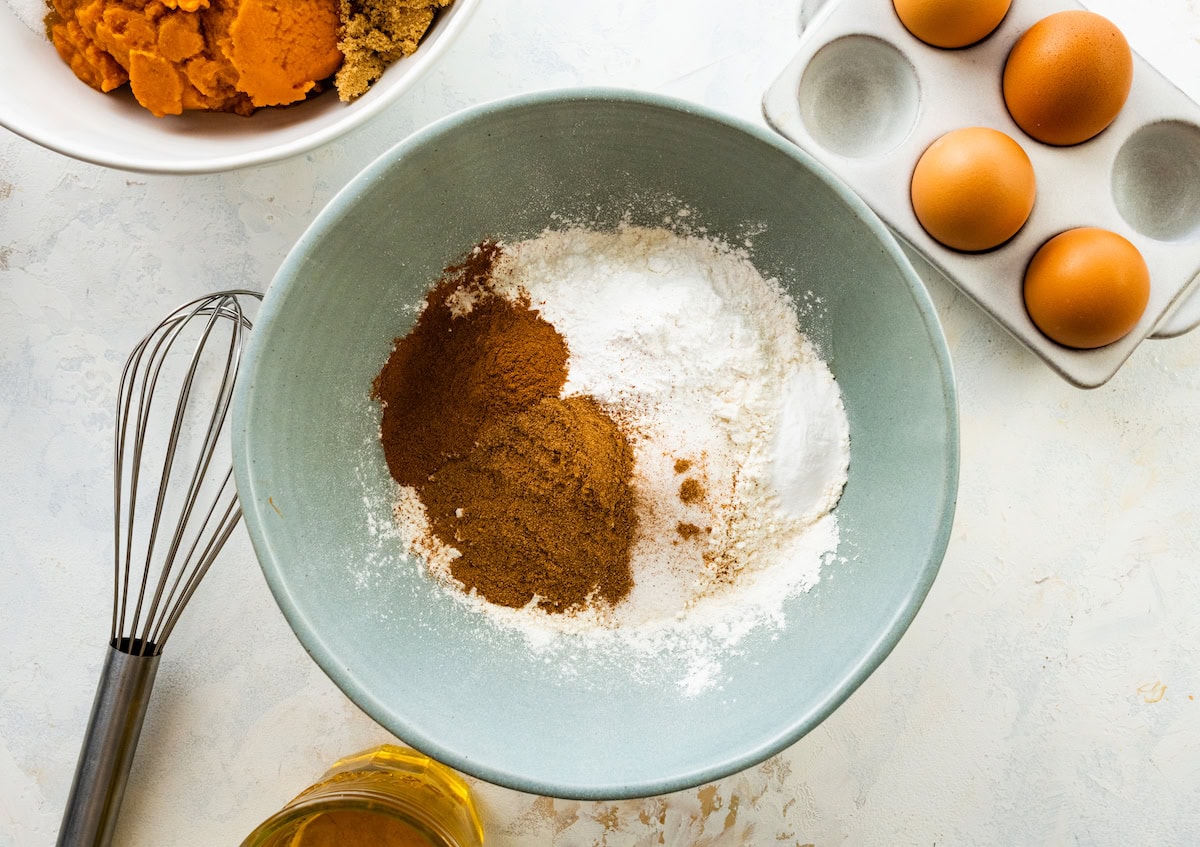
232	55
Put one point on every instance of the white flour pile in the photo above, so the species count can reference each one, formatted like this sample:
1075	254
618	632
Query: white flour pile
702	363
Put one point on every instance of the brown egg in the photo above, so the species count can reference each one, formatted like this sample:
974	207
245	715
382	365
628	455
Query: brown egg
1087	287
973	188
1067	77
951	23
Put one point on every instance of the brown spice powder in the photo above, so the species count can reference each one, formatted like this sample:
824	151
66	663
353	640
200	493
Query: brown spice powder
542	506
533	490
452	375
691	491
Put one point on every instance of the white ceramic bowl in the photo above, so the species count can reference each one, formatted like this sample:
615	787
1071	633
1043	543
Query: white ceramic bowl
588	722
43	101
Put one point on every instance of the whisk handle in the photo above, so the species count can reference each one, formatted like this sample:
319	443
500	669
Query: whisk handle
108	747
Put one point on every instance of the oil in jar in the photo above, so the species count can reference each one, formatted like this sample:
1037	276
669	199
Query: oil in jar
386	797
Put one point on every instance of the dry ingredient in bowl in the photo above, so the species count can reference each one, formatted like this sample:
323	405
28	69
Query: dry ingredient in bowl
738	440
532	490
234	55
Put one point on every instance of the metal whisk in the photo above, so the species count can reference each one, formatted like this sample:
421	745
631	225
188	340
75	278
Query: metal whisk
175	504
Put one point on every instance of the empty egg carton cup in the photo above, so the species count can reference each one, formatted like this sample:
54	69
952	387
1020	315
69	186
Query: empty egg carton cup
866	98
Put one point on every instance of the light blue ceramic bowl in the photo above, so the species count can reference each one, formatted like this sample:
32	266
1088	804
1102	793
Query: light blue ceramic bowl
314	486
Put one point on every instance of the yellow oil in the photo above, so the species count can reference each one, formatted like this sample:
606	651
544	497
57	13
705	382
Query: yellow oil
346	826
387	796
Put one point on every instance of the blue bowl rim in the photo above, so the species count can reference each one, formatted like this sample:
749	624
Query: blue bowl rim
312	642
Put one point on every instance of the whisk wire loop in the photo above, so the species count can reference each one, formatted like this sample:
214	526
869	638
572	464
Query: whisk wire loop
152	633
226	525
176	558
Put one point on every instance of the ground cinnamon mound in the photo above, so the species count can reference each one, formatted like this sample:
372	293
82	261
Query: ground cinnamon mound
534	491
541	507
452	374
691	491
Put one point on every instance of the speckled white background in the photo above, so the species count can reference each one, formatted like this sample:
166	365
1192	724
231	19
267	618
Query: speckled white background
1044	695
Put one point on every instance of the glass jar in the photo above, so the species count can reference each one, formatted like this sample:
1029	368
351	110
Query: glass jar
386	796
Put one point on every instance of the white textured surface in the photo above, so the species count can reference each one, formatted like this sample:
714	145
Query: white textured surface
1044	694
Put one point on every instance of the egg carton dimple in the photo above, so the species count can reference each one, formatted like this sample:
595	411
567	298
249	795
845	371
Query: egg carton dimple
865	97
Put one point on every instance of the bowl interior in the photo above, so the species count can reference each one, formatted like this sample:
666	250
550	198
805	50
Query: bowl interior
44	102
315	490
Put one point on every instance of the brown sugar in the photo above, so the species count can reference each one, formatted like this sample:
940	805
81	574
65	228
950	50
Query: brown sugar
376	33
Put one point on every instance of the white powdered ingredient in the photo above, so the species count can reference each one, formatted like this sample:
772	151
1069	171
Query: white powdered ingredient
32	13
700	359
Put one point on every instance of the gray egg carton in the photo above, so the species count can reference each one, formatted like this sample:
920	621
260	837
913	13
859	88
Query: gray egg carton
865	97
